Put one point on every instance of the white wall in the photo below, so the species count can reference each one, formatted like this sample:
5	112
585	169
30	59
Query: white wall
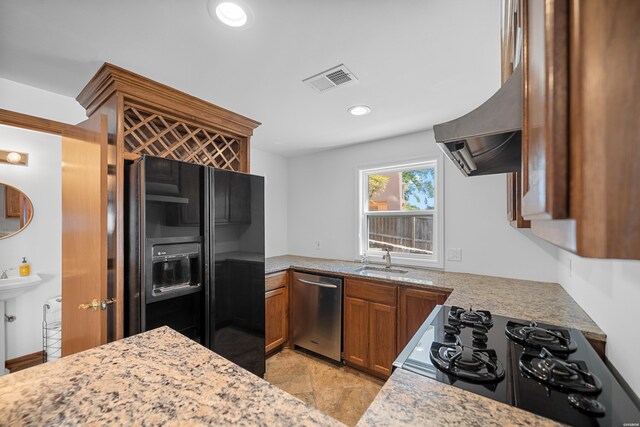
322	206
274	169
609	291
40	103
41	241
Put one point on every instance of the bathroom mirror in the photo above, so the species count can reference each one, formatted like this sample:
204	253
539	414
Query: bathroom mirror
16	211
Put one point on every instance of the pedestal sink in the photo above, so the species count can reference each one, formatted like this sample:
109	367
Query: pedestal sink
11	288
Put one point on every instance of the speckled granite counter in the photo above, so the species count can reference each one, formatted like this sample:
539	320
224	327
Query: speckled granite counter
522	299
411	400
155	378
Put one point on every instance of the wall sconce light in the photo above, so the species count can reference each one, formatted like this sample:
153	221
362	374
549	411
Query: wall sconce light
14	158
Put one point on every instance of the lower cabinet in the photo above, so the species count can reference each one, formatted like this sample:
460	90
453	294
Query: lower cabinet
379	319
356	332
276	310
414	306
382	336
370	326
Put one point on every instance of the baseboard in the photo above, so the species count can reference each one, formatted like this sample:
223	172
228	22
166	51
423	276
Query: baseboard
24	362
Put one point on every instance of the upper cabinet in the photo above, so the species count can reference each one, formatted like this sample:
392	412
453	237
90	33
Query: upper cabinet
545	123
148	117
581	124
511	55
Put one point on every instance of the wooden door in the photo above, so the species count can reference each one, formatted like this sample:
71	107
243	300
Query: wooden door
275	318
382	337
84	234
545	140
356	331
415	306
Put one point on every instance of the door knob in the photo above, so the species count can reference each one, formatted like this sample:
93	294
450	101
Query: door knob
95	304
105	302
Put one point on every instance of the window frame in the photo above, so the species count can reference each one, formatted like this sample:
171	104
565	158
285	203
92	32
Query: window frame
414	260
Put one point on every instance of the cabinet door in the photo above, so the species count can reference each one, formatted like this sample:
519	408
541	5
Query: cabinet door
415	306
356	331
545	124
514	201
275	318
382	337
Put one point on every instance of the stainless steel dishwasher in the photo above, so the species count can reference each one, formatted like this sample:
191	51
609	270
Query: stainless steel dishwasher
317	314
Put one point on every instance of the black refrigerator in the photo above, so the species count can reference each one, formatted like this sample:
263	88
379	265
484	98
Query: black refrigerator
194	247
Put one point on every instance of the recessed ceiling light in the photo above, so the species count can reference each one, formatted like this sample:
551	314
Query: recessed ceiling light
231	14
359	110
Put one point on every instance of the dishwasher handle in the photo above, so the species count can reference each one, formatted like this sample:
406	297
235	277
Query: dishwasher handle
322	285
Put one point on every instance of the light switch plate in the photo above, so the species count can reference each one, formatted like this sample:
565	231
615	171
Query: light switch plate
454	254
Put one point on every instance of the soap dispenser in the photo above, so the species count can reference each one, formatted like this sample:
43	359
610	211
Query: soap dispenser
25	267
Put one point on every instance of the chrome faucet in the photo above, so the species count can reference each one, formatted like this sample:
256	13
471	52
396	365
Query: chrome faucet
4	272
387	258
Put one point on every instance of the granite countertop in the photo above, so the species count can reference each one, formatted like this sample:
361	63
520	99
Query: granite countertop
408	399
157	377
411	399
161	377
520	299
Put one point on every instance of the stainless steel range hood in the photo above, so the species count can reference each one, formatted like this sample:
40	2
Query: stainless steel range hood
487	140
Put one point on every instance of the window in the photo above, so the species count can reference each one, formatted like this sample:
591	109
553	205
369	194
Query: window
400	209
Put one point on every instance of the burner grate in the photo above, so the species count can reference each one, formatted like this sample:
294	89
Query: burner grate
471	317
467	363
556	340
568	376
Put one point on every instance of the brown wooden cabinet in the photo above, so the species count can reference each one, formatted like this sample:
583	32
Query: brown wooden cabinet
581	128
511	56
147	117
382	335
414	306
370	326
545	146
276	310
356	335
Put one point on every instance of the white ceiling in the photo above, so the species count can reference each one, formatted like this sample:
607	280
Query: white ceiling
419	62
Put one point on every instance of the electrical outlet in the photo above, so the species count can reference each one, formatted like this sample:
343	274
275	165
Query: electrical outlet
317	245
570	267
454	254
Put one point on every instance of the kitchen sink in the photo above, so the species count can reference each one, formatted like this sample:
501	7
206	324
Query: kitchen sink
380	269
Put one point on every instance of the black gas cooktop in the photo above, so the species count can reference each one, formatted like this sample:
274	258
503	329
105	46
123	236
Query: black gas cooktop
544	369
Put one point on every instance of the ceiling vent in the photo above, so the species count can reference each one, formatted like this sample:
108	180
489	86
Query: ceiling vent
329	79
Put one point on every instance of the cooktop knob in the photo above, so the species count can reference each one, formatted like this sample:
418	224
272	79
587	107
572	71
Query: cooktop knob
586	404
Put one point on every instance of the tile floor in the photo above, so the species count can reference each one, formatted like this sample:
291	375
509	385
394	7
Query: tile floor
340	392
